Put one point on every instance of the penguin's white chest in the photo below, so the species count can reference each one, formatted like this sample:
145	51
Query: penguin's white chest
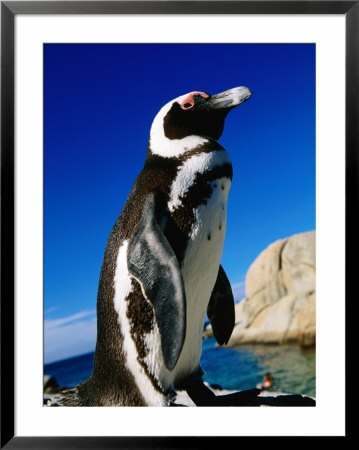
200	269
204	248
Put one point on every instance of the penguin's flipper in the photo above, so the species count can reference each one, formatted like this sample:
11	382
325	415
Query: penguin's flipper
152	261
220	308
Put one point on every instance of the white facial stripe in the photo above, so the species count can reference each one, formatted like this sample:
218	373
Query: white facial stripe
123	288
161	145
197	164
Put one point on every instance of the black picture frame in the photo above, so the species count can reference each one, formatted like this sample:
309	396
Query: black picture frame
9	10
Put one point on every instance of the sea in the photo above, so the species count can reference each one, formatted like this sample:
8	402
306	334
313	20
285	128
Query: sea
233	368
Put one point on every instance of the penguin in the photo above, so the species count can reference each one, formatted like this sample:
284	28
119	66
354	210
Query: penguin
161	271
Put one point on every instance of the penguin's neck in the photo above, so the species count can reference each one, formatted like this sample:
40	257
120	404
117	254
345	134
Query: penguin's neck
163	146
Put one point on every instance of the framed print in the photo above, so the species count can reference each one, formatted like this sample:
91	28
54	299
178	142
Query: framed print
82	82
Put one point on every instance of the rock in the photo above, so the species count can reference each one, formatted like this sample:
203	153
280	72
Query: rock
302	327
50	385
264	283
208	332
54	395
279	306
298	263
264	398
270	325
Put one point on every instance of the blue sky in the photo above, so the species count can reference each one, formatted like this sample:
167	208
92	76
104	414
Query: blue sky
99	103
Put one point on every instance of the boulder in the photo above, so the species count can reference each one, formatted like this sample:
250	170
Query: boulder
302	328
298	263
50	385
279	307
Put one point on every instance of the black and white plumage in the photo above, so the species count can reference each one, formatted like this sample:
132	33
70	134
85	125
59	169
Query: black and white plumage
161	271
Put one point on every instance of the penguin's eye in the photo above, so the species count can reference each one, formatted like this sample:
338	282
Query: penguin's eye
190	101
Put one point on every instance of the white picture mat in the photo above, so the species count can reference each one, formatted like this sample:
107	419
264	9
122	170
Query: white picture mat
328	417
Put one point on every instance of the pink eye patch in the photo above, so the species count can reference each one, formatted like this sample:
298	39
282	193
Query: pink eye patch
188	102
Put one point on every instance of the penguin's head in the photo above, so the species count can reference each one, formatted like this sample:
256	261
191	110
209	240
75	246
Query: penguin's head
192	119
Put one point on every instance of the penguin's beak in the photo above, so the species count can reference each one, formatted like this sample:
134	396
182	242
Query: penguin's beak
227	99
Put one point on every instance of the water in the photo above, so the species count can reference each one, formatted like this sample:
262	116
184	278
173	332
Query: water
72	371
243	367
234	368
